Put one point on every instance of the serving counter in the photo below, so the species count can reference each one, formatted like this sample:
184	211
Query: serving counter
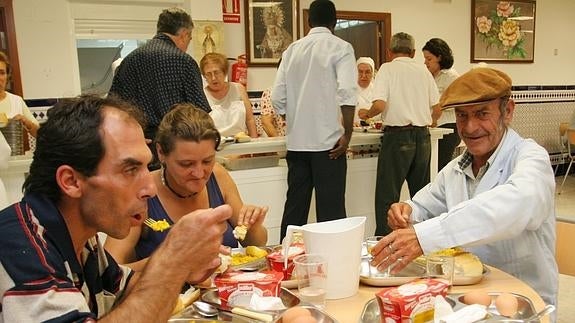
268	186
349	309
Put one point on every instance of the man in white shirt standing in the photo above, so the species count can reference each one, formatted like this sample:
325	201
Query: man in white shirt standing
315	89
404	94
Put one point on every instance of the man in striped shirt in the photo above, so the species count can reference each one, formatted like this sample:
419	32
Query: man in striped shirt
89	174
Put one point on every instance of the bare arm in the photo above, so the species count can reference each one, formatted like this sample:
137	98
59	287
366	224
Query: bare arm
250	120
435	114
249	215
268	125
176	260
340	148
377	107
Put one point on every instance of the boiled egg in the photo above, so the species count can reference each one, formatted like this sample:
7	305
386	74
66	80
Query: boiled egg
506	304
293	314
477	297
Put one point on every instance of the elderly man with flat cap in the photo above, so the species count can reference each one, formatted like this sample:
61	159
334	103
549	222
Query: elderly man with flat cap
495	200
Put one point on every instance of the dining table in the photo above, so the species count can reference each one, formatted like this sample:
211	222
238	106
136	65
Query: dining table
349	310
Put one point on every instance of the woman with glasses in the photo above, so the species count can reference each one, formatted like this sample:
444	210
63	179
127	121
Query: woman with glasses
231	107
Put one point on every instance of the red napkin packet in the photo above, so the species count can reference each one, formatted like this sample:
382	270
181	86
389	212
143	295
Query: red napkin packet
235	288
410	302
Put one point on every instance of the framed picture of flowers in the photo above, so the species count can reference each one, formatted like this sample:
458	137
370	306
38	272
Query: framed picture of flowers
502	31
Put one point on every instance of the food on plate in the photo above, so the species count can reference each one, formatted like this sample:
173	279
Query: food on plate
252	253
225	262
466	263
242	137
477	297
240	232
256	252
506	304
186	299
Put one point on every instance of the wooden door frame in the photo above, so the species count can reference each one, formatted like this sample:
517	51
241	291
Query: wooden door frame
6	6
383	19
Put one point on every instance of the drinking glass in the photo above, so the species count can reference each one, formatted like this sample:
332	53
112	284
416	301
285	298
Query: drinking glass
370	242
311	273
441	267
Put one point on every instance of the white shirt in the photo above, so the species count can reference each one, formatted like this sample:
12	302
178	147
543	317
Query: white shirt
509	221
409	91
317	75
364	100
443	80
229	112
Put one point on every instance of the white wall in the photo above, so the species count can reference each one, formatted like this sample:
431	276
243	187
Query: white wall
49	64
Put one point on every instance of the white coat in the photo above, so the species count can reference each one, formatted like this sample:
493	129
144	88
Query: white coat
509	222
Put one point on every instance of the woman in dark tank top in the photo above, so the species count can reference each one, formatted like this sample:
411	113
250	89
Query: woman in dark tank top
190	179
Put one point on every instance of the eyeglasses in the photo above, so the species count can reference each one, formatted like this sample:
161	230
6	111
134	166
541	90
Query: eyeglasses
214	74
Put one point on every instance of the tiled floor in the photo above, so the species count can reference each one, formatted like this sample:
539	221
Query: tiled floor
565	206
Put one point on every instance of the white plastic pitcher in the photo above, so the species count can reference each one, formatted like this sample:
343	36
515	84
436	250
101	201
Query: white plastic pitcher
339	241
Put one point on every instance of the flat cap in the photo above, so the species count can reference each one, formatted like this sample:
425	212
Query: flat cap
476	86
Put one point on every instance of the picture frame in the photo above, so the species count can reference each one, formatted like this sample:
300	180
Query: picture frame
271	26
503	31
207	37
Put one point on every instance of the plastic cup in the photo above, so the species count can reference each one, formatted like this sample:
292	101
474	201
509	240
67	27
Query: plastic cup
370	242
311	275
441	267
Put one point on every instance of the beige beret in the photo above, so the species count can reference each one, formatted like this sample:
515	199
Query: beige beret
476	86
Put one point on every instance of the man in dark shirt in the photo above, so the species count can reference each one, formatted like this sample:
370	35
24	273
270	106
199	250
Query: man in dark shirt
160	74
89	175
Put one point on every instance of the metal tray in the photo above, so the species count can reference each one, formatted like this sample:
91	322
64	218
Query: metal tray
371	313
412	271
189	315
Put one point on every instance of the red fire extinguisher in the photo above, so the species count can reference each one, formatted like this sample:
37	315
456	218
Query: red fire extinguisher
240	71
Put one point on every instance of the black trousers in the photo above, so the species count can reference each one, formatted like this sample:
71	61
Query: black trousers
447	145
309	170
404	156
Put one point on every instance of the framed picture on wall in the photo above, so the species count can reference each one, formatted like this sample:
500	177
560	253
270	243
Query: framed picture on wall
502	31
271	26
207	37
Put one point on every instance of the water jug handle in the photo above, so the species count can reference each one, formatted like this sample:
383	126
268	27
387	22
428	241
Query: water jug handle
286	242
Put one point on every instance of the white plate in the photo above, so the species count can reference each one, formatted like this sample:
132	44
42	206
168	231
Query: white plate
409	273
373	130
360	129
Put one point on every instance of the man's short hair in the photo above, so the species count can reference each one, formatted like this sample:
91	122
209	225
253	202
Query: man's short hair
402	43
172	20
71	136
322	14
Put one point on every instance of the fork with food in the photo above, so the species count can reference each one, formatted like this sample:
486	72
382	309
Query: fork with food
158	226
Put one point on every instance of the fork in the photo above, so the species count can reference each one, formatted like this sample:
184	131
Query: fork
157	225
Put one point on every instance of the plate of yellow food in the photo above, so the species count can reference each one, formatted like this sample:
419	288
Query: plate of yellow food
468	270
249	258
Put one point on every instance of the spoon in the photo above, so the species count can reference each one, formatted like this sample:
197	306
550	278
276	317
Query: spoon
546	310
205	309
533	318
210	310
